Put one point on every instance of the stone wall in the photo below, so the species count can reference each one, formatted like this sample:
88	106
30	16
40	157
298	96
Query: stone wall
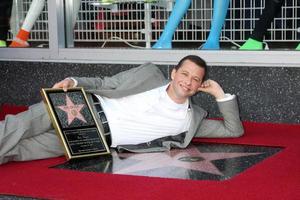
265	94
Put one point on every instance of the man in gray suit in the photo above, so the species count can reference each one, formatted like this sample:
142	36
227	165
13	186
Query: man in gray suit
145	113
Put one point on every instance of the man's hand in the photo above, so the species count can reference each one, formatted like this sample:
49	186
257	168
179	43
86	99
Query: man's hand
64	84
213	88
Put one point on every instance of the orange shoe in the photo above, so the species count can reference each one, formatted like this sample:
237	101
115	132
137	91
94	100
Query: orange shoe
20	41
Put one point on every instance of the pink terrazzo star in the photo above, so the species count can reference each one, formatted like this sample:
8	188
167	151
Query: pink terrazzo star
72	110
178	158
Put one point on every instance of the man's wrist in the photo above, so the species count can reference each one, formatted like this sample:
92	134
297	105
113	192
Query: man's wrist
74	80
219	94
227	97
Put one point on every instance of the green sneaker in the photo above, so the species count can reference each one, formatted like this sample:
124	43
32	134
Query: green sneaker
252	44
298	47
2	43
107	2
150	1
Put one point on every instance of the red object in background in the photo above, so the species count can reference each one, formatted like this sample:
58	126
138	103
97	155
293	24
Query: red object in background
100	25
10	109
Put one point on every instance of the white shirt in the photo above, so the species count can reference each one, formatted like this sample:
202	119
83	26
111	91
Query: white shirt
144	117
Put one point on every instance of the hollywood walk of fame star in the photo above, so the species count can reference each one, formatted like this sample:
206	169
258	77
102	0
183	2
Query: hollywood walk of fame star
72	110
190	158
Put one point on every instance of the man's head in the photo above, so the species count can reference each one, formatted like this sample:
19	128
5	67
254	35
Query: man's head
187	77
196	60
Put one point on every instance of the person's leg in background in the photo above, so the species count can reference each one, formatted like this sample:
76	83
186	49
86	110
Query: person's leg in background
5	13
179	10
298	22
76	8
34	12
219	15
255	41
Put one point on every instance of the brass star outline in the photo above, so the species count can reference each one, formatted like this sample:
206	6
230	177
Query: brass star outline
174	158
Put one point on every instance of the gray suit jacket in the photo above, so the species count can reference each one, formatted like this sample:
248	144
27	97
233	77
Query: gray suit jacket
147	77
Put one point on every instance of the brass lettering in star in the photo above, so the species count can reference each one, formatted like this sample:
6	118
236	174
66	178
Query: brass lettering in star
72	110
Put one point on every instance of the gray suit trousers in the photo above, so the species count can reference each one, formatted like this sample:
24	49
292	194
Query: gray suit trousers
28	135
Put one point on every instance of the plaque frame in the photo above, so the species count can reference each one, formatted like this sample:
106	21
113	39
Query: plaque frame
75	123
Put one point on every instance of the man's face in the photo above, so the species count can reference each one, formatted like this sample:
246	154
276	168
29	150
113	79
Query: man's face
185	81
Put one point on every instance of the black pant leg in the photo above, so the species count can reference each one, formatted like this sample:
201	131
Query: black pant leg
265	19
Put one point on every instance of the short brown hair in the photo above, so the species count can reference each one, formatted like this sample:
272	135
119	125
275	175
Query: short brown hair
197	60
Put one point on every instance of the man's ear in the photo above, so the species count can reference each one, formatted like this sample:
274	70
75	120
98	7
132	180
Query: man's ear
173	73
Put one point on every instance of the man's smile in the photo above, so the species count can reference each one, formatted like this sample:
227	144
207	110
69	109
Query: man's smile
184	87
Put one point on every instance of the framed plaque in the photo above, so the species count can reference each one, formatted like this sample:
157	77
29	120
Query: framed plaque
75	123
